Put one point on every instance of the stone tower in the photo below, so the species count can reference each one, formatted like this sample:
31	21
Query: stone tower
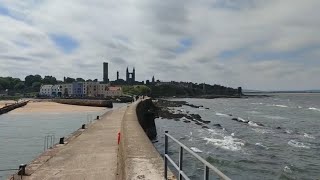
105	72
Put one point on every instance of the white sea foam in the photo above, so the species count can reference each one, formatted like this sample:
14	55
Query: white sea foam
242	120
253	124
288	131
261	145
232	134
253	112
308	136
274	117
194	149
257	103
313	108
297	144
221	114
279	105
228	143
183	118
287	169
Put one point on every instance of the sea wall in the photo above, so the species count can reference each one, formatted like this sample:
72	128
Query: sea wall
85	102
11	107
137	157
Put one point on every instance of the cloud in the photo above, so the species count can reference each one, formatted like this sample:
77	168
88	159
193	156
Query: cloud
256	44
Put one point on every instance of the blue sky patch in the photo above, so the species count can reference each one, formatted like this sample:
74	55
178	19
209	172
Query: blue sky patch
184	45
65	43
4	11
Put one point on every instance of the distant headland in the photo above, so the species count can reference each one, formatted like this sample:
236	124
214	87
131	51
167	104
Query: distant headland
49	87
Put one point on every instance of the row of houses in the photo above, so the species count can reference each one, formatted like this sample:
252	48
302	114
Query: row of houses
80	89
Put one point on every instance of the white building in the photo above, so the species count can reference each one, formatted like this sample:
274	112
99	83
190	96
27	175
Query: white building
56	90
45	90
66	90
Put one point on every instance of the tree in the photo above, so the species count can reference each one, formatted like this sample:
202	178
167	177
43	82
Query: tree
1	88
19	86
49	80
36	86
80	80
70	80
31	79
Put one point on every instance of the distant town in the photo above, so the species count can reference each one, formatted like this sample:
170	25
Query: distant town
50	87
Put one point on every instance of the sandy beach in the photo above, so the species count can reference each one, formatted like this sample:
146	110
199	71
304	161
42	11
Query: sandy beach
32	107
3	103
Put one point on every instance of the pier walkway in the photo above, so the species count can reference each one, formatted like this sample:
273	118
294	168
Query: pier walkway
92	156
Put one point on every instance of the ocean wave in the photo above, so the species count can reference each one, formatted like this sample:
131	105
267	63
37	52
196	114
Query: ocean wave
308	136
262	131
297	144
253	112
242	120
194	149
313	108
227	143
274	117
257	103
221	114
279	105
253	124
261	145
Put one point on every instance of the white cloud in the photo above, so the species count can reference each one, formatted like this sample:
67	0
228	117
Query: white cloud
145	34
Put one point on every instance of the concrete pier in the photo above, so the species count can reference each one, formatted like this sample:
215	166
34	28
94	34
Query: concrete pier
91	155
94	153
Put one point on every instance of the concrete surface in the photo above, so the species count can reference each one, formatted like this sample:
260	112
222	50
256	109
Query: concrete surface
91	156
138	158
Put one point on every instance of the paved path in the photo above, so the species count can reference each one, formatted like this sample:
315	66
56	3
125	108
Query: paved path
91	156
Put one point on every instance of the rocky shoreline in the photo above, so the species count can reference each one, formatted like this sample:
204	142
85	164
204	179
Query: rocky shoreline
164	111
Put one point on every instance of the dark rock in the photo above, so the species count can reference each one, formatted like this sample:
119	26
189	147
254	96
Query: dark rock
235	119
198	123
217	125
278	127
186	121
206	122
205	127
207	108
230	114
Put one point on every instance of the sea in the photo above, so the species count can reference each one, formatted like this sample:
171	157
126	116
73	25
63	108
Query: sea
22	135
280	140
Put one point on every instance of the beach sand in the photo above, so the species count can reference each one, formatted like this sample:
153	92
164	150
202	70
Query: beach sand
3	103
32	107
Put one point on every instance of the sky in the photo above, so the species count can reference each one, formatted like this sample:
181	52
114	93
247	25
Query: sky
256	44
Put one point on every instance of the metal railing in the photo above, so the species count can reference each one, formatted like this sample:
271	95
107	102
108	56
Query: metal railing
179	168
48	142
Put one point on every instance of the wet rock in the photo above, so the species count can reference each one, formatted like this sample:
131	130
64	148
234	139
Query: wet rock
230	114
198	123
278	127
205	127
217	125
186	121
207	108
206	122
235	119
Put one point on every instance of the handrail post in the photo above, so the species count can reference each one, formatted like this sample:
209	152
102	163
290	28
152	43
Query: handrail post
206	172
165	153
180	162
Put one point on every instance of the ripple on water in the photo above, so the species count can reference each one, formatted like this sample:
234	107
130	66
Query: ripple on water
297	144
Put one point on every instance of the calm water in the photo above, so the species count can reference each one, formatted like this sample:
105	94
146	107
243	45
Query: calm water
22	134
248	151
